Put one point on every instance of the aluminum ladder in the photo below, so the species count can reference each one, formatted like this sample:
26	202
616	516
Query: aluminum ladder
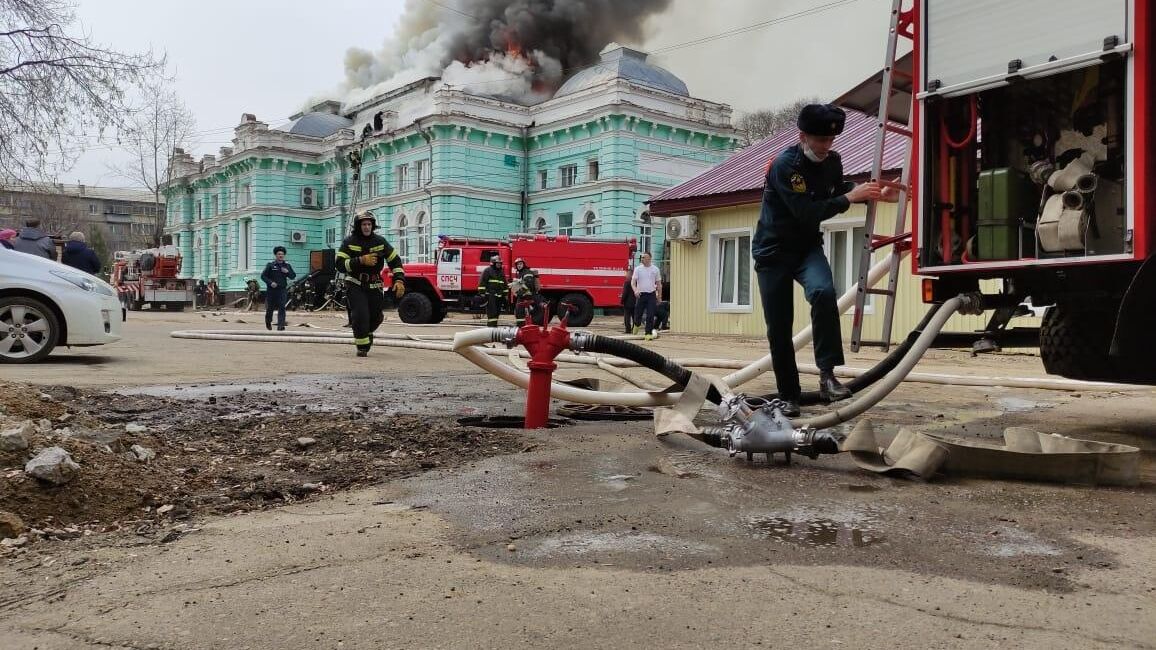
902	25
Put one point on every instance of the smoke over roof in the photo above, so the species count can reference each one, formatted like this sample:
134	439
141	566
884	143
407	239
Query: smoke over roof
518	49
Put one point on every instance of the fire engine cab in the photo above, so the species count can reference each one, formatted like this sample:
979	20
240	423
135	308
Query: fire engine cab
584	272
150	277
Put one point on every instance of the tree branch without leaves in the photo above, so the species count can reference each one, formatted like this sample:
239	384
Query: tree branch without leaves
759	125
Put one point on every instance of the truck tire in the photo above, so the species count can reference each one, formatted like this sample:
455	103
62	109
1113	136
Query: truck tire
28	330
439	315
584	309
1074	344
415	309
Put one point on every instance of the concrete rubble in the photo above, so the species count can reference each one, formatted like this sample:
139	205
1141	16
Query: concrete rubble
52	465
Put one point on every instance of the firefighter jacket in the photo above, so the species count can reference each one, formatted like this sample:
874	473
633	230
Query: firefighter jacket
798	196
529	280
349	260
493	282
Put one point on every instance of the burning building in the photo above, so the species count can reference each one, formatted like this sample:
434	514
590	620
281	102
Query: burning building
474	132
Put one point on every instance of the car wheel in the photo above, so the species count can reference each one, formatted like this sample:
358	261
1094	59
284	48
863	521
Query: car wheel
28	330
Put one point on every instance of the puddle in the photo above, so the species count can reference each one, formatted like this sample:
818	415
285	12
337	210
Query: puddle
1014	542
505	422
805	527
587	543
1019	405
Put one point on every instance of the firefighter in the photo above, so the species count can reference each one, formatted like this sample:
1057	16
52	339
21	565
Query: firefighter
804	186
527	291
362	257
493	284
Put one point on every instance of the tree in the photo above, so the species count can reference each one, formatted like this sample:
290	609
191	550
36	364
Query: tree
57	88
758	125
159	125
58	213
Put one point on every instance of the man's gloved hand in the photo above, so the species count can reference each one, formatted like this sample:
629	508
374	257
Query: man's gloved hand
369	259
398	289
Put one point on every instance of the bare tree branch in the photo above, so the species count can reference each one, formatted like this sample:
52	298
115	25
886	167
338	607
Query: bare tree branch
57	88
759	125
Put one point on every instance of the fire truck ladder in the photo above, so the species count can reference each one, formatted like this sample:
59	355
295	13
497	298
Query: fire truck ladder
900	240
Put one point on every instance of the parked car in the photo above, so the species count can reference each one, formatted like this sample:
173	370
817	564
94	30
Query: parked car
44	304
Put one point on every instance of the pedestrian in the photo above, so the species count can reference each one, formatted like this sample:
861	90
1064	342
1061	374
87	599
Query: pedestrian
646	281
6	237
804	186
495	287
212	293
363	257
33	241
199	293
527	292
626	299
78	255
662	315
276	276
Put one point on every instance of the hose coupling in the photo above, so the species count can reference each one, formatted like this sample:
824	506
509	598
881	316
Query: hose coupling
971	304
580	341
756	425
506	335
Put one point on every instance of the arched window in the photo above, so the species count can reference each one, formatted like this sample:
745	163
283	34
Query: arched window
399	230
645	234
422	232
590	223
540	225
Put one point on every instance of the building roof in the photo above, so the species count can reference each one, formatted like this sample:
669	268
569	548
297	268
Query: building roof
127	194
317	124
624	63
739	179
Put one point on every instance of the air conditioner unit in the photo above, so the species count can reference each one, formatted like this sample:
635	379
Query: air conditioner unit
683	227
308	197
297	237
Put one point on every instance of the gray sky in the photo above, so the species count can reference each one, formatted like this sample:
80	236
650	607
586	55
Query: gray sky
264	57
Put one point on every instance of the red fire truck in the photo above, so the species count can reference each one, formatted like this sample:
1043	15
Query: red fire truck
587	273
150	277
1034	163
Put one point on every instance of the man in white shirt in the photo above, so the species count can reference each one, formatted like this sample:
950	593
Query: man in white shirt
647	285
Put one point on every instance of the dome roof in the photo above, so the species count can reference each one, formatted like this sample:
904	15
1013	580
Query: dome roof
317	124
624	63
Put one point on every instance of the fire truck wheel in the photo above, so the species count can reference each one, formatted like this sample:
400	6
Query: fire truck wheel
584	309
1074	344
439	315
28	330
415	309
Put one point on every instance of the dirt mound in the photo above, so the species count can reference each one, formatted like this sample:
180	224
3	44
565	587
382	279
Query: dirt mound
216	458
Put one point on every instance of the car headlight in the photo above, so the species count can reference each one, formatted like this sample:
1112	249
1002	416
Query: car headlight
85	282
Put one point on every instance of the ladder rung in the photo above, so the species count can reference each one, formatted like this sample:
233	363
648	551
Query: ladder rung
880	292
898	130
878	241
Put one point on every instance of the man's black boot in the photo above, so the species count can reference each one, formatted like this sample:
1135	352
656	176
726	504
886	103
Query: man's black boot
363	353
830	390
791	408
268	325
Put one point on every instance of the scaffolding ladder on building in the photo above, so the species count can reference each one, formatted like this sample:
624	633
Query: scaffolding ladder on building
902	25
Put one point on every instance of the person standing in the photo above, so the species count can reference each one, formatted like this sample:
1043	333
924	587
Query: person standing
493	283
33	241
626	299
804	187
527	291
78	255
363	256
276	276
646	282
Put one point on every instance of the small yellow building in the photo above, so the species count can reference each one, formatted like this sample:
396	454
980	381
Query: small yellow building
713	287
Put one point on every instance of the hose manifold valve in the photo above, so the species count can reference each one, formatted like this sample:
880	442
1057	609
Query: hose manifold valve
754	425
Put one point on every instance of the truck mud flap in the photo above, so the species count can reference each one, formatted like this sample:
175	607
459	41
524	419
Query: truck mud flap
1136	321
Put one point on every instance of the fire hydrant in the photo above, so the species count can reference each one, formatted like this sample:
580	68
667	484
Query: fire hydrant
544	344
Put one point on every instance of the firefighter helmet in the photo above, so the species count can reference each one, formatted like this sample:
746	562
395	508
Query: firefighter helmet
519	261
365	215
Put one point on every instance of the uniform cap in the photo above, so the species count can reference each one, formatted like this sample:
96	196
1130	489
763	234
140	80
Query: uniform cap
279	249
822	119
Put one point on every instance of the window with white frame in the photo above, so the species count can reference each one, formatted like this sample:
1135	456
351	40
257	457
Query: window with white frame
566	223
645	233
331	195
590	224
591	170
730	270
422	173
842	243
331	237
541	225
423	237
247	193
200	211
244	244
371	185
214	256
568	175
399	230
402	176
543	180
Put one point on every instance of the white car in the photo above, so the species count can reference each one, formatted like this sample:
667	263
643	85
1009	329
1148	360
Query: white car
44	304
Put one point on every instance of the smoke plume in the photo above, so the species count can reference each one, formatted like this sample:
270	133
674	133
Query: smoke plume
517	49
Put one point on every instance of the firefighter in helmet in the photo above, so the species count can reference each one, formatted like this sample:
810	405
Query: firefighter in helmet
527	290
493	284
363	256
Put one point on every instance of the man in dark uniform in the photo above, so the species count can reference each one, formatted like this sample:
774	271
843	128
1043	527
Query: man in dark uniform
493	284
804	187
276	276
363	256
527	291
626	299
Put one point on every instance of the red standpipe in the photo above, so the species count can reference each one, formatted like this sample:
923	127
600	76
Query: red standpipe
544	345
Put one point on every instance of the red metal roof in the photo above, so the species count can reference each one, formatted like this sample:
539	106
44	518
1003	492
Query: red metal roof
739	179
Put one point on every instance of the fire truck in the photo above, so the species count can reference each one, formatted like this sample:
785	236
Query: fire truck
150	277
1033	163
584	272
